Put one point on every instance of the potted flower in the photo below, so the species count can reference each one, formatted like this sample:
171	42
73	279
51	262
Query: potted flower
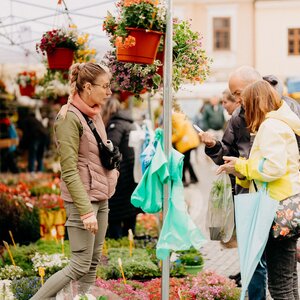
27	81
190	63
59	45
137	30
192	260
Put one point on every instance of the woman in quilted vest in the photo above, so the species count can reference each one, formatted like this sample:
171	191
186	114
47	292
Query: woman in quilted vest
86	185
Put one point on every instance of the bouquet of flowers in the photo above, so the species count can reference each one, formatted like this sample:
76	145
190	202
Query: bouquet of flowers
26	78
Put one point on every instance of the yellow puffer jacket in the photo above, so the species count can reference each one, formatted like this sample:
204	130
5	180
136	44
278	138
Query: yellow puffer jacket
184	136
275	142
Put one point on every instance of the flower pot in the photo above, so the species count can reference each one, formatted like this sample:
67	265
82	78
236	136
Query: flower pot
145	49
193	270
28	90
124	95
60	58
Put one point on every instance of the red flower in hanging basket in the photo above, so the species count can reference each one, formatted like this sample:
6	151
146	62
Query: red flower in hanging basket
57	38
59	44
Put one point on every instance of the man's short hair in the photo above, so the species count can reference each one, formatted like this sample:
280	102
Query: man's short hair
247	74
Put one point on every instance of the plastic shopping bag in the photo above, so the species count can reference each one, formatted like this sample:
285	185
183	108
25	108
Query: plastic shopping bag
220	213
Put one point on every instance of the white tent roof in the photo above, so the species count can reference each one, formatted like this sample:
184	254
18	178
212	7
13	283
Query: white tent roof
24	21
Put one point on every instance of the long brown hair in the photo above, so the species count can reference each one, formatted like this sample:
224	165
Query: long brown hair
259	98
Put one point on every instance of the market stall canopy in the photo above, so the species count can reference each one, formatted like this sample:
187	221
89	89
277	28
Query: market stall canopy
24	21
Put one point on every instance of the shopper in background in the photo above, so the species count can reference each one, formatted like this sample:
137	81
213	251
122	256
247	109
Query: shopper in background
86	185
122	214
185	139
213	117
229	102
8	143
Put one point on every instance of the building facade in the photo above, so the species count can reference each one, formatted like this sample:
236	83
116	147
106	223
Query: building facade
263	33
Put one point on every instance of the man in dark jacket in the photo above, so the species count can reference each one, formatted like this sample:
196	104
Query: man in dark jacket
236	142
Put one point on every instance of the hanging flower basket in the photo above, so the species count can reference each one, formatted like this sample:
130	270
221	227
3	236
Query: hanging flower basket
124	95
145	49
27	90
60	58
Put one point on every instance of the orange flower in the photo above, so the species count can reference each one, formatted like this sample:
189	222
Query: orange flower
126	43
284	231
132	2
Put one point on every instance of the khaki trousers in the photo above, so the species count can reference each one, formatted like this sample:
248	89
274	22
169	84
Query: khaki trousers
85	251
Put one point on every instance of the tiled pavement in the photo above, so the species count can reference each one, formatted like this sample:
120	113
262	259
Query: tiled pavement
217	258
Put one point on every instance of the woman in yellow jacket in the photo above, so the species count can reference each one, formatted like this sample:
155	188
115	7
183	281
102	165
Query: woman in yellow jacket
185	139
275	126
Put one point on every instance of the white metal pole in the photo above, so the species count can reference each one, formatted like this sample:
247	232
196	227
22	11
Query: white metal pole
167	126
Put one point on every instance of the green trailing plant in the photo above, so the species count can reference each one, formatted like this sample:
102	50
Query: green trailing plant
190	62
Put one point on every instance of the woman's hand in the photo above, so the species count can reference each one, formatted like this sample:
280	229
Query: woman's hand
91	224
228	166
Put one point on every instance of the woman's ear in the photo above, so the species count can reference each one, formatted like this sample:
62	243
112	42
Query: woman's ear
87	87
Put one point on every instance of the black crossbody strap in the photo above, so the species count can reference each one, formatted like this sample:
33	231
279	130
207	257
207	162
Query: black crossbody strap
93	128
255	186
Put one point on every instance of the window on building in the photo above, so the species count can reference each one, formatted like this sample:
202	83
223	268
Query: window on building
294	41
221	28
